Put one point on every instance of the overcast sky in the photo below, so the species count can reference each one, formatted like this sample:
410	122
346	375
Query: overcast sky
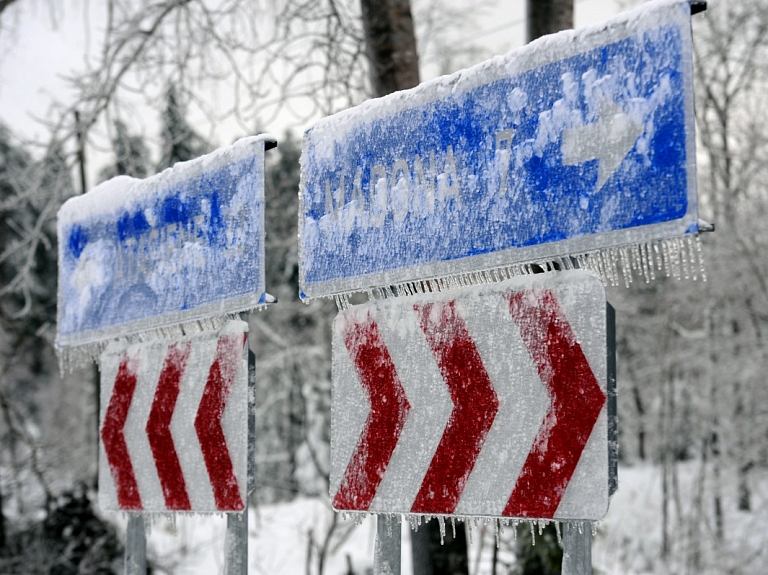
42	41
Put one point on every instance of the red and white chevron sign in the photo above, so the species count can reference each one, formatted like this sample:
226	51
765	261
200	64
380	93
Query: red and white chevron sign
174	425
484	401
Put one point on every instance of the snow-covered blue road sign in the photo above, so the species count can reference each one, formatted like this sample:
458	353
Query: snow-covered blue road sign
576	143
180	247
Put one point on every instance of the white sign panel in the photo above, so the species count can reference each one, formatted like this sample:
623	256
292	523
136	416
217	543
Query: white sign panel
174	425
483	401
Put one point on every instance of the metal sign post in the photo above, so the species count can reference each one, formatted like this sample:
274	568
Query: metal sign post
386	554
135	546
577	549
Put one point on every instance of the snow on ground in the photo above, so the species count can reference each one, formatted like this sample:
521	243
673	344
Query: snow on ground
628	541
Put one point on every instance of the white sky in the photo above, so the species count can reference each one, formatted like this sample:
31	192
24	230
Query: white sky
38	48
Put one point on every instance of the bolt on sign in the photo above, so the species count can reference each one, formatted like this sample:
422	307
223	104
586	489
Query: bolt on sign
578	143
174	423
181	247
484	401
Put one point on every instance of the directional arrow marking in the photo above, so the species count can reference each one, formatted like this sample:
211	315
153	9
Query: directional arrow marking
159	428
113	438
608	140
475	408
388	411
431	408
577	401
487	490
213	444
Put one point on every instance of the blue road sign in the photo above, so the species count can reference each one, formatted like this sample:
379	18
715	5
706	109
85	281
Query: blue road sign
185	245
577	142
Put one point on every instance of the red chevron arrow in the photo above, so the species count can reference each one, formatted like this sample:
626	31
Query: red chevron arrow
386	418
208	423
576	404
113	438
159	428
475	406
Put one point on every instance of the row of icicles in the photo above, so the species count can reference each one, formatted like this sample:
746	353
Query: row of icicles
680	258
473	523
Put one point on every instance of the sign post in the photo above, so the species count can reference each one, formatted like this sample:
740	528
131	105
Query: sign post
575	151
152	274
386	554
135	546
577	549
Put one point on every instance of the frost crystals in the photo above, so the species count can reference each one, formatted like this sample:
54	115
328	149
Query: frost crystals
680	258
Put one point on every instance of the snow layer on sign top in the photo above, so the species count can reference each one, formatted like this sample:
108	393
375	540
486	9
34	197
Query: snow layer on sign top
507	456
180	246
149	361
579	141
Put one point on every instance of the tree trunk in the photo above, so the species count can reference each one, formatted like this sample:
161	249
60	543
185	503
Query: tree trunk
548	16
433	557
391	45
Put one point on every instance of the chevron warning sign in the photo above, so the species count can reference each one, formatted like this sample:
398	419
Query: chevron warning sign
174	424
486	400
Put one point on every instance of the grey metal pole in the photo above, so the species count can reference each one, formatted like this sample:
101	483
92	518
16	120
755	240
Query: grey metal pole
386	554
577	549
236	544
135	546
236	537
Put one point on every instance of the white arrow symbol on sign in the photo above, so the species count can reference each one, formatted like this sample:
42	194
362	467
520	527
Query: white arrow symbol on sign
607	140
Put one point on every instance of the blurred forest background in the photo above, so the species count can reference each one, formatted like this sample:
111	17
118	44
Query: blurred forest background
692	356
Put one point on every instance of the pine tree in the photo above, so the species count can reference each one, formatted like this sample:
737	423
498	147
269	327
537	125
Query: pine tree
179	142
131	155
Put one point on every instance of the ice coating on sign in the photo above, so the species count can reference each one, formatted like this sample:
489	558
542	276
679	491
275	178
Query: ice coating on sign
502	390
578	142
187	244
174	424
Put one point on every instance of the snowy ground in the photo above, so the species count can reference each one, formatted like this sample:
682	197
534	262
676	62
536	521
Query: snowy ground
628	540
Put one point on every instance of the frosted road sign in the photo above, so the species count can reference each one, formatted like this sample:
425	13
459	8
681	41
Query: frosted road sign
482	401
578	142
183	246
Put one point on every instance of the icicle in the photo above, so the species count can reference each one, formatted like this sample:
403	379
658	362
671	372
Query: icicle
594	528
497	532
702	271
657	257
649	259
644	262
533	533
559	534
692	256
441	522
684	259
665	256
